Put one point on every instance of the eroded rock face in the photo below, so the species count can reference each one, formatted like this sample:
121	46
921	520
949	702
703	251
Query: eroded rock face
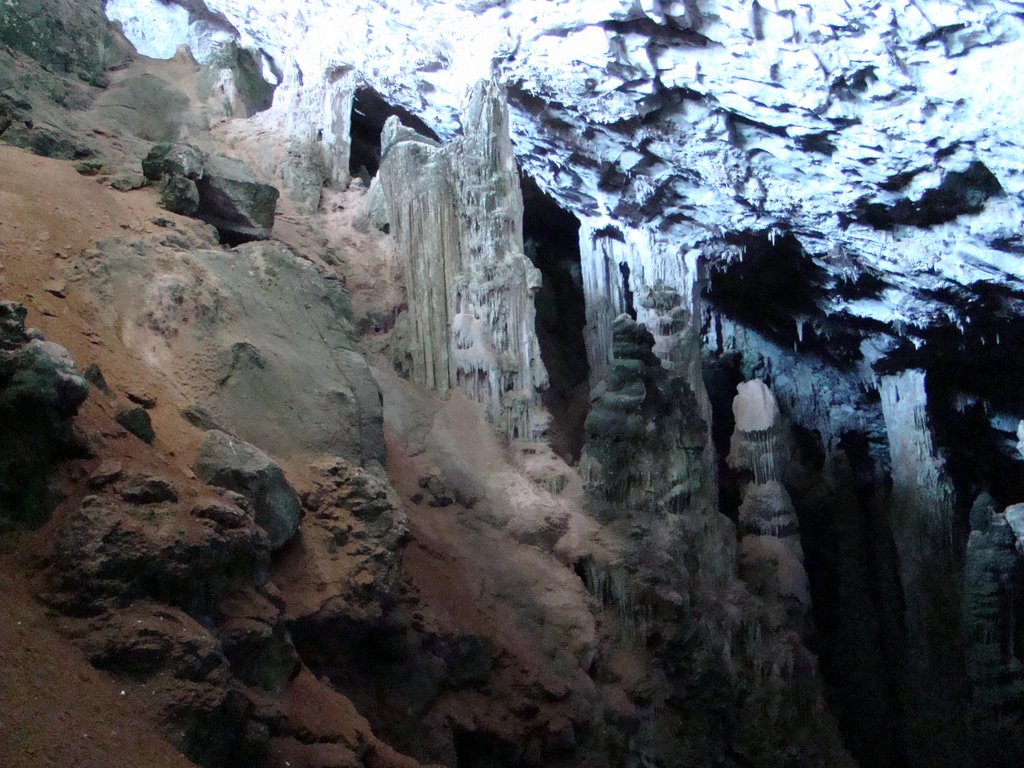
270	333
114	550
722	116
456	212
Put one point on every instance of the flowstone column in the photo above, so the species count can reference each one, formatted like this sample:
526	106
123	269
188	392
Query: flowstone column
456	212
921	516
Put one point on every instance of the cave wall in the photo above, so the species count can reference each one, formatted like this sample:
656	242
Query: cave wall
688	137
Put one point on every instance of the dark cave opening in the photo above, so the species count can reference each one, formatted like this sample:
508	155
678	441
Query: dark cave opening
774	282
722	374
778	289
551	238
369	113
975	382
478	749
959	193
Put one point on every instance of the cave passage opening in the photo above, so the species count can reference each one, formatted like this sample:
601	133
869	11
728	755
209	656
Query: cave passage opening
552	243
369	113
774	283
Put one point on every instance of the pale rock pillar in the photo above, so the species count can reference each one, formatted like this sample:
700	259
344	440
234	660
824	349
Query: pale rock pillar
768	526
456	213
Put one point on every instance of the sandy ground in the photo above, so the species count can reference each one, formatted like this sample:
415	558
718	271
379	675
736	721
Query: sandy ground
55	709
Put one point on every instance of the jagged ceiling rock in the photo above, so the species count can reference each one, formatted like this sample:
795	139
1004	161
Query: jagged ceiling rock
884	135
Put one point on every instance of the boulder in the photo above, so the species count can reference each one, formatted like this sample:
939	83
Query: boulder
149	490
165	160
260	652
136	420
94	375
219	190
229	463
233	201
179	194
114	550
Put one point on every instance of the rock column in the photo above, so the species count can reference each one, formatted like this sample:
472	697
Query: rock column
770	549
456	212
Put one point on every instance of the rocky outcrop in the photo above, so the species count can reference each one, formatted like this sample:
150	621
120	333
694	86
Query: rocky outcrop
234	465
115	550
64	36
40	392
993	592
219	190
456	213
261	339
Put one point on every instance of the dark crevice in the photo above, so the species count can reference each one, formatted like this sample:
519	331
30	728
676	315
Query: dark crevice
776	288
851	564
722	374
627	292
958	194
369	113
551	237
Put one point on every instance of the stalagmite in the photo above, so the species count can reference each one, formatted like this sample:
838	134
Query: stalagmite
770	533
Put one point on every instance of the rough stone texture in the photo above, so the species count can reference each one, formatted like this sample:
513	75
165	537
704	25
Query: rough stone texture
677	576
157	29
346	561
40	392
626	455
269	334
227	462
993	578
137	421
456	212
112	551
182	670
219	190
761	113
71	36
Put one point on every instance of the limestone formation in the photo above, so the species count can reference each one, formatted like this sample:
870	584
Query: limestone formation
678	577
768	527
456	213
922	520
993	580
